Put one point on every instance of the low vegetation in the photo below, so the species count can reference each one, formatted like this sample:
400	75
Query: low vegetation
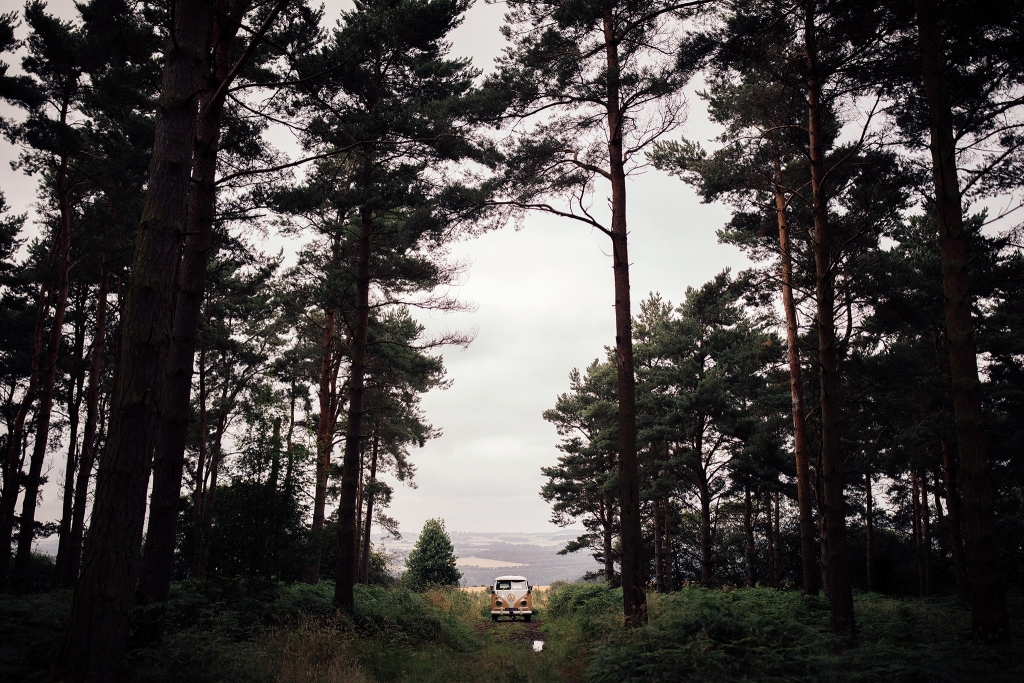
236	631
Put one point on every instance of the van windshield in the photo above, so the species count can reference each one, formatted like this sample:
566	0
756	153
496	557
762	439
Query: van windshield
505	585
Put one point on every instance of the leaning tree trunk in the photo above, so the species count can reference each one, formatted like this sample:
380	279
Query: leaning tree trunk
805	499
835	570
634	597
345	571
26	528
989	616
75	387
102	607
89	435
12	459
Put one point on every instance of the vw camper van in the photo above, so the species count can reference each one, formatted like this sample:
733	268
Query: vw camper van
511	597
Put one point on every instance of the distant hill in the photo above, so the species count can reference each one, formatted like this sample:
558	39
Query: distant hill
485	555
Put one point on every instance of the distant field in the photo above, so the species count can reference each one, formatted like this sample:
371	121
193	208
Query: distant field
485	563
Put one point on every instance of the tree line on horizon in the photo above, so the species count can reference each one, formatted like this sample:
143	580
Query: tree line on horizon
855	140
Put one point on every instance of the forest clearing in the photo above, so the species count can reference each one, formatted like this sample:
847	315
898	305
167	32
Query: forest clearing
235	242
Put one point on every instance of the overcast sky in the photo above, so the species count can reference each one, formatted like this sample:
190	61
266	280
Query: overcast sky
544	305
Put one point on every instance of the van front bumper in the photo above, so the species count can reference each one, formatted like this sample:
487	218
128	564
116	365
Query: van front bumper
510	611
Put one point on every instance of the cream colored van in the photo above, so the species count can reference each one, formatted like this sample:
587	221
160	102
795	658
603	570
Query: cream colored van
511	597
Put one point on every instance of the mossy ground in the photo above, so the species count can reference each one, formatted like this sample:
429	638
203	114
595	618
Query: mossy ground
234	631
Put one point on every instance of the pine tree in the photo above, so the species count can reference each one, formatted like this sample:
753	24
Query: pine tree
432	560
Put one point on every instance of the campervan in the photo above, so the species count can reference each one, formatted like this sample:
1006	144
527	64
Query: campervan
511	597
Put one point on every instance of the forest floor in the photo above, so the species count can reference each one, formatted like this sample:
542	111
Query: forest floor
233	631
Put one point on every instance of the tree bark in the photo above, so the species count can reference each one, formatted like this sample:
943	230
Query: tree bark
926	533
918	547
777	550
201	560
956	543
89	435
13	458
989	616
324	445
606	541
368	522
345	571
869	534
805	499
748	529
667	553
76	381
200	483
659	574
26	528
634	597
102	607
169	459
835	570
704	493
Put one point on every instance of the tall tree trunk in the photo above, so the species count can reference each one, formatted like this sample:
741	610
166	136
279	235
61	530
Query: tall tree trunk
777	575
805	499
915	487
13	457
659	574
89	436
76	381
835	570
324	444
704	492
670	565
345	572
956	543
169	459
667	553
989	616
273	507
769	533
368	522
104	598
289	454
926	533
606	541
26	528
200	482
201	560
869	534
634	597
748	530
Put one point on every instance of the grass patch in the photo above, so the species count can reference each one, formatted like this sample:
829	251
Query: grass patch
223	632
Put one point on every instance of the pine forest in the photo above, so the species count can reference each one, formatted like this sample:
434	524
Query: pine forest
233	234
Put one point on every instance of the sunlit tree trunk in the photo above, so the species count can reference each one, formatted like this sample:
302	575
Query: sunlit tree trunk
805	500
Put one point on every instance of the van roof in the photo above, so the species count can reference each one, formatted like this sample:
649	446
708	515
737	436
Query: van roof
511	578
